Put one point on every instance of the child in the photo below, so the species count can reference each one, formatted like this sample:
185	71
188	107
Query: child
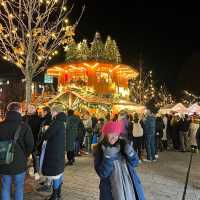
115	160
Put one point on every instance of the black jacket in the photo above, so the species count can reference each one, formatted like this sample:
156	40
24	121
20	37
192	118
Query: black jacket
54	159
34	122
184	125
24	146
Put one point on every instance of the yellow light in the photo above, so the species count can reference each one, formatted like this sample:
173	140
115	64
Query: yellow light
53	35
39	57
66	21
5	58
28	35
65	8
10	16
3	4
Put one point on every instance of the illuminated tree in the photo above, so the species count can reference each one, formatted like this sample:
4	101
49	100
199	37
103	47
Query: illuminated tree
142	88
83	50
165	98
117	55
190	98
30	32
71	51
111	51
97	48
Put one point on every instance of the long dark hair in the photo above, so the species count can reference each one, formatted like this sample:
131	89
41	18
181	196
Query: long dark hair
121	141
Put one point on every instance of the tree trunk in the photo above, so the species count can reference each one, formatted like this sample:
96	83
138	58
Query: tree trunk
28	91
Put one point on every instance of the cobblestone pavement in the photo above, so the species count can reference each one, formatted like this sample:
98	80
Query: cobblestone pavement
163	180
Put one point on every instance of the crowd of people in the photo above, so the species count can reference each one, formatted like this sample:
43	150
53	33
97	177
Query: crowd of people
54	138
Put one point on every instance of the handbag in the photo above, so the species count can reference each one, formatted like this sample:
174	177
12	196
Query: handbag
7	148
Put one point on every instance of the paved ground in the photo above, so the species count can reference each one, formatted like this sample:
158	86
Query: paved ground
163	180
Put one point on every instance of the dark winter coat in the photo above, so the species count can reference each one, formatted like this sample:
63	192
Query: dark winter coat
24	146
149	124
54	159
72	131
104	167
184	125
34	122
160	126
46	121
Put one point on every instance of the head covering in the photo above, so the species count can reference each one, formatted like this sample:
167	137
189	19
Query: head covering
57	108
112	128
31	109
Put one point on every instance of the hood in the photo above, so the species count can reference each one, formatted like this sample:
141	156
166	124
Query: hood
13	116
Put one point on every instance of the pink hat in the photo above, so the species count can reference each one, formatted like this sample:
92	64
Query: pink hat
112	128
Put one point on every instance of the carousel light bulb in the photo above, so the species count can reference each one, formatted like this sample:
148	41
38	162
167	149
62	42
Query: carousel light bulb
66	21
3	4
5	57
28	35
39	57
65	8
10	16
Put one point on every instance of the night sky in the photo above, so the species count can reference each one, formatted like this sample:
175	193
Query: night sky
166	34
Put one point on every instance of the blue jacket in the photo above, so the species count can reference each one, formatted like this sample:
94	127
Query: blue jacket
149	124
104	167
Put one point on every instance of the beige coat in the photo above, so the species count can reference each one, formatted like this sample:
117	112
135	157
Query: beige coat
192	133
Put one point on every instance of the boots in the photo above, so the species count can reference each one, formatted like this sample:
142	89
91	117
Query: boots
55	195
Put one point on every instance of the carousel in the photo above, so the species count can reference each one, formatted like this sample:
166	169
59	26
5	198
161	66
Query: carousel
93	77
94	85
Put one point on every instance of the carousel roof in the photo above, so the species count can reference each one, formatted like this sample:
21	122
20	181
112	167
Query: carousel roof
121	71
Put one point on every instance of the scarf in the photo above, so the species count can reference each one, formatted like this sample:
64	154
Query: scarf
121	182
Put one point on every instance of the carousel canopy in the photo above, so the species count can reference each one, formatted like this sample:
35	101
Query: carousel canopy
118	73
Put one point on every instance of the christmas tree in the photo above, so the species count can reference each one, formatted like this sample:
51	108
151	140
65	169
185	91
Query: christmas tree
109	49
97	48
83	50
71	51
116	53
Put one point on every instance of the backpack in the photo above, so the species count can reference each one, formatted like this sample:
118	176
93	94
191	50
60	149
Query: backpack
137	130
7	149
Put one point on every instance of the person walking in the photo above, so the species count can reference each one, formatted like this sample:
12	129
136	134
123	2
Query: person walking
198	138
149	135
16	170
137	133
159	134
34	121
87	121
183	132
54	153
194	126
45	124
72	132
115	161
165	138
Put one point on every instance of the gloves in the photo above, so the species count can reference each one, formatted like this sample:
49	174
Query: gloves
128	150
110	152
